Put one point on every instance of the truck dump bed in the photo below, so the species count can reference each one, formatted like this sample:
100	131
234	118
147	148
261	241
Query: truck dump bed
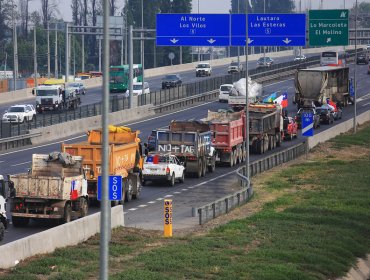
264	118
49	179
228	128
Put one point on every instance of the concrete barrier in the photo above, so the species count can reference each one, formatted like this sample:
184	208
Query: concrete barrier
336	130
47	241
58	131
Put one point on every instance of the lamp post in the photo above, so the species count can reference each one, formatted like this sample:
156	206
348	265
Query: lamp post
354	75
15	48
198	46
246	93
264	48
34	56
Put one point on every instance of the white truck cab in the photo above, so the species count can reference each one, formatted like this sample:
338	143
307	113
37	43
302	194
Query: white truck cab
203	69
48	97
3	219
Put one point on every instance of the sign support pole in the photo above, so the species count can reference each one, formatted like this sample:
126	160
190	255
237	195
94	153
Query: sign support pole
354	75
131	65
246	94
105	207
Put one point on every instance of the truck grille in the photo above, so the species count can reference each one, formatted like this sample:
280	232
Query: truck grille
47	101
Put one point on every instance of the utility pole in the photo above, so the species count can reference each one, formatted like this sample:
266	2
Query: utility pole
15	47
56	75
246	93
67	54
83	52
131	66
199	46
142	48
48	42
354	76
264	48
34	55
238	46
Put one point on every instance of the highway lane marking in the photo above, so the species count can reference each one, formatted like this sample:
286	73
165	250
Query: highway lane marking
169	195
185	190
132	209
176	192
142	205
366	96
1	161
129	124
125	212
21	163
190	187
278	82
151	202
365	104
159	199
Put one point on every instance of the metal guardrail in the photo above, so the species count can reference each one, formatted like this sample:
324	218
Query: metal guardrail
17	141
225	204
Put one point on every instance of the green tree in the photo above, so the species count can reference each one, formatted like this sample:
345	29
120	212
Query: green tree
363	12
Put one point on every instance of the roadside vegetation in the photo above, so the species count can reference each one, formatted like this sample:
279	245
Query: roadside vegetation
307	220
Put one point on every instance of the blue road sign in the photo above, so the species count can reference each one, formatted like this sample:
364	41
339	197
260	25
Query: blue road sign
193	29
269	30
307	124
115	187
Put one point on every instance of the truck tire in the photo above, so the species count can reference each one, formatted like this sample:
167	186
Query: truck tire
128	193
204	168
200	172
172	180
212	167
67	214
20	222
231	163
84	207
182	179
2	231
240	155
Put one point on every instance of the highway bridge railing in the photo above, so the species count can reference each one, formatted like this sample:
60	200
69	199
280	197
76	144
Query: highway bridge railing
119	102
227	203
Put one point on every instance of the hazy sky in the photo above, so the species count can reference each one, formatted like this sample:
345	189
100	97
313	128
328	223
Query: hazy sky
206	6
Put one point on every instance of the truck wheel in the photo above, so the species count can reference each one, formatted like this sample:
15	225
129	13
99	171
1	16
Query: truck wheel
172	180
240	155
128	193
200	172
231	163
204	169
84	207
20	222
212	167
67	213
138	189
2	231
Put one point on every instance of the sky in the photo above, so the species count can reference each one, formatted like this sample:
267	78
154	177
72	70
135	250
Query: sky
207	6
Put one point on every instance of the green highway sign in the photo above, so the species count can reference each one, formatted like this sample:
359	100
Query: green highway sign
328	28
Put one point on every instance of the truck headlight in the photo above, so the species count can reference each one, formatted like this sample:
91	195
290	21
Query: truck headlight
56	102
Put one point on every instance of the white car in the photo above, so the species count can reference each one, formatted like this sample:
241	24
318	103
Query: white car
203	69
224	92
300	58
77	86
19	113
234	67
163	167
138	88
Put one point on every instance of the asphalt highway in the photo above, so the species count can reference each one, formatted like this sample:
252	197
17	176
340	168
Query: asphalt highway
147	211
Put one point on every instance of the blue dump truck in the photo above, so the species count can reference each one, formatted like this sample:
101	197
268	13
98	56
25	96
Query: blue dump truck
191	142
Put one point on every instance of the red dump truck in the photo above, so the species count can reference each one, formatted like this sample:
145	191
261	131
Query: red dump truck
125	159
228	136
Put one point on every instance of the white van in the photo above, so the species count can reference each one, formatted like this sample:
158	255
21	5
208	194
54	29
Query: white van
224	92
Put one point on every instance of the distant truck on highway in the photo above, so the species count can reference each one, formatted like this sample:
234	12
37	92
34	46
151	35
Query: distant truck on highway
54	189
125	158
191	143
55	97
313	86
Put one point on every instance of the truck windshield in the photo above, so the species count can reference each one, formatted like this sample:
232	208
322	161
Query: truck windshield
47	92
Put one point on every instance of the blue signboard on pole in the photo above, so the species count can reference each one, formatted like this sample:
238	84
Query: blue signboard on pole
269	30
114	187
193	29
307	124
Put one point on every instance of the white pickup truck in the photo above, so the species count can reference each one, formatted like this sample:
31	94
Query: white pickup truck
163	167
203	69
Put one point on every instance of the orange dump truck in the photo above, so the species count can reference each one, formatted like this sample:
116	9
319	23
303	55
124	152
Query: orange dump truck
125	159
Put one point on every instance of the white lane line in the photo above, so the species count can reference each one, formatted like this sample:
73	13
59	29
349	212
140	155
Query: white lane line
125	212
1	161
159	199
363	105
190	187
278	82
185	190
21	163
176	192
151	202
169	195
132	209
366	96
129	124
142	205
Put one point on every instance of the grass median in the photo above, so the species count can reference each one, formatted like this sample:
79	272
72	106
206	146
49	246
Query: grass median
313	223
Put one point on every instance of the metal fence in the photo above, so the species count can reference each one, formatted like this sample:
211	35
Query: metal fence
225	204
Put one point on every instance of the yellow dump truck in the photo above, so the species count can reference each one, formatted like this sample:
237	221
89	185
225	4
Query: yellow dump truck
55	188
125	159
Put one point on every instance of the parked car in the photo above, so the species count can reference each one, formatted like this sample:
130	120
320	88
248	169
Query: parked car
19	113
326	115
171	80
77	86
301	57
163	167
235	67
265	62
362	59
203	69
138	88
224	92
312	110
290	128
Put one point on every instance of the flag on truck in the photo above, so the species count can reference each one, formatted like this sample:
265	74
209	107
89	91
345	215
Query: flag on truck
74	191
270	98
282	100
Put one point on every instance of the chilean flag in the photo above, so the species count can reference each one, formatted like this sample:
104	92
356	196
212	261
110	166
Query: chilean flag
74	191
282	100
